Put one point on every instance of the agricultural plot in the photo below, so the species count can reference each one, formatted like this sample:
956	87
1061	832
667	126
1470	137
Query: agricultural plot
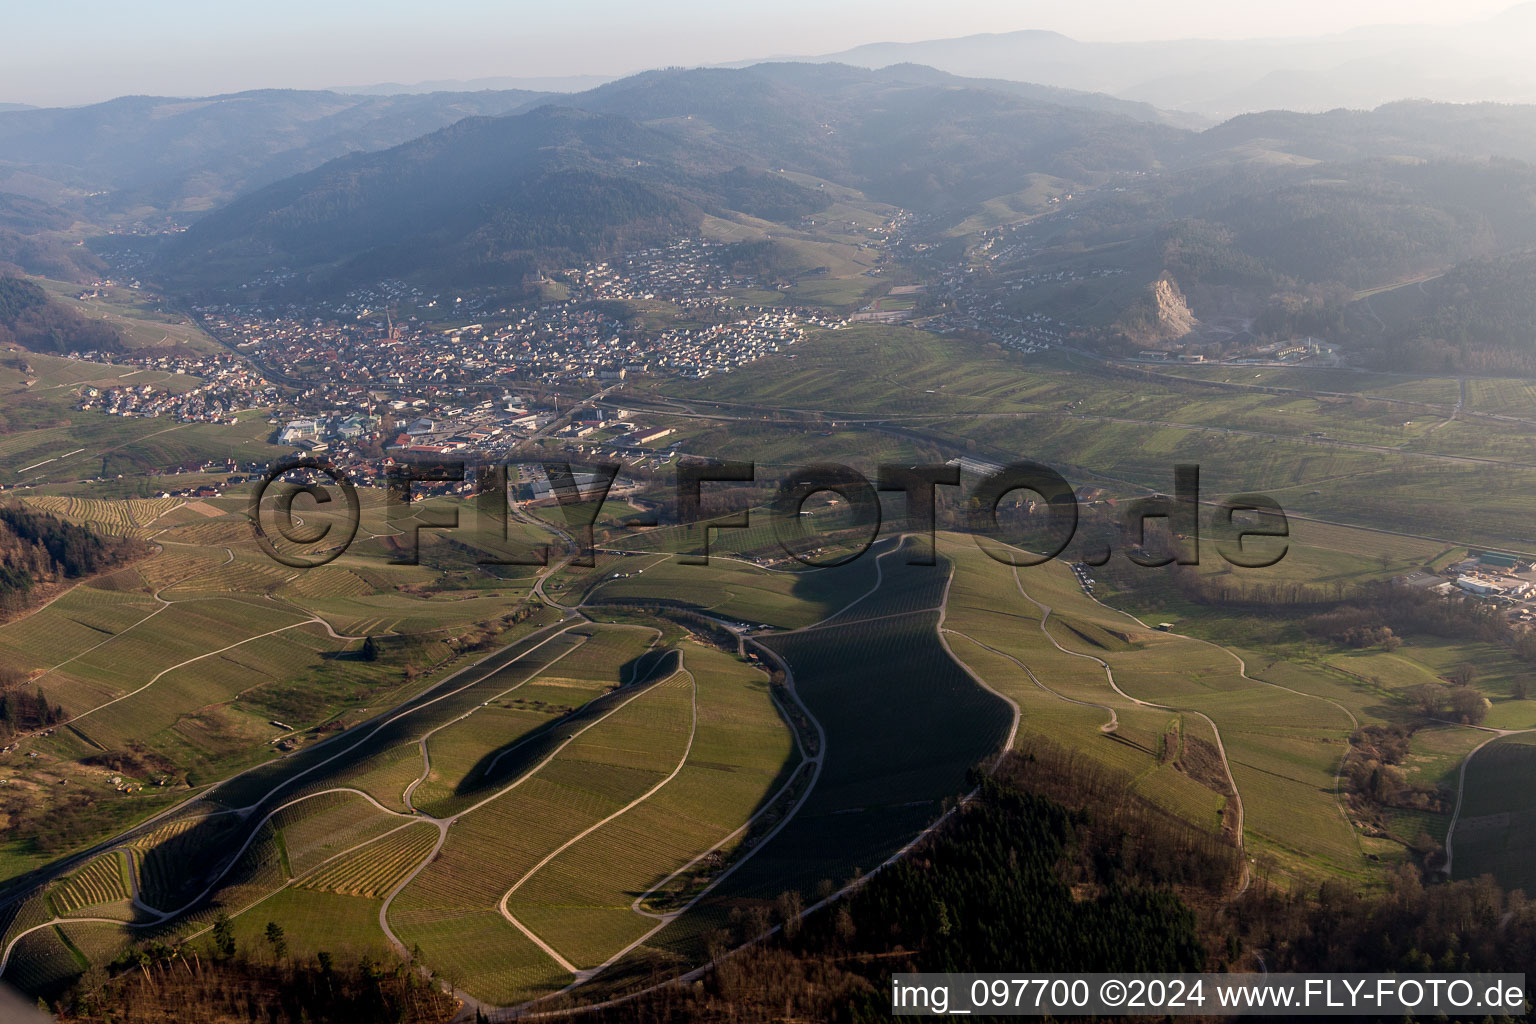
28	912
1437	390
105	609
43	962
311	919
919	372
1496	826
609	656
180	633
255	874
1284	748
386	774
1066	700
460	753
178	562
97	941
1430	660
320	827
520	700
249	572
375	869
490	958
163	698
81	619
1331	406
176	861
1365	703
614	759
205	525
326	581
12	446
103	880
1436	753
581	901
1502	397
373	614
375	745
1321	561
123	517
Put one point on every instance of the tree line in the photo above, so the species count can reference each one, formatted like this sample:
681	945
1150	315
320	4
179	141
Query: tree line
37	548
30	319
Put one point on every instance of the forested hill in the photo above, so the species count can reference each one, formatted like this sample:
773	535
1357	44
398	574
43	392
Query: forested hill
1281	218
34	239
1479	316
189	153
484	200
904	135
37	549
1408	128
644	159
30	319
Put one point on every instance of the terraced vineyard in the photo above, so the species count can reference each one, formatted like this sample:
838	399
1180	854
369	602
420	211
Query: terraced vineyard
377	868
626	750
318	828
133	517
616	758
103	880
584	900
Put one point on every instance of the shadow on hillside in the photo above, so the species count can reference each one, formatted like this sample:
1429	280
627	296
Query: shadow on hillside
513	759
829	589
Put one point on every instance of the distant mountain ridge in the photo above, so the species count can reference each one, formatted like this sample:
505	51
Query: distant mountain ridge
502	83
181	156
188	155
1479	60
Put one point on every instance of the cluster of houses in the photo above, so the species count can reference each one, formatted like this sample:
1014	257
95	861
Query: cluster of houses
564	341
1026	333
691	273
355	433
698	352
223	387
980	300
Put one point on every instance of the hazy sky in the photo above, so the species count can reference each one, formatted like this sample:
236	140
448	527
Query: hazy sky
79	51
